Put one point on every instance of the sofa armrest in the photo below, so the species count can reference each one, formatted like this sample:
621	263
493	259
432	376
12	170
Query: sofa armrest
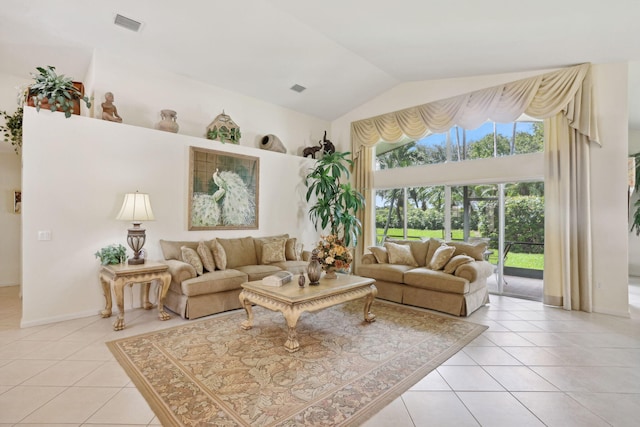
180	271
472	271
369	259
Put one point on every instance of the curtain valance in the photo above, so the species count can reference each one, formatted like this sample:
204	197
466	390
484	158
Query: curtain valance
567	90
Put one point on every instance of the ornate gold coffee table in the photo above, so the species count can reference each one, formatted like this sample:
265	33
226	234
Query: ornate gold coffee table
292	300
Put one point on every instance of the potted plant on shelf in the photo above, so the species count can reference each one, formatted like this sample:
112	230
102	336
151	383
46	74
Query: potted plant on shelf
56	92
13	128
337	203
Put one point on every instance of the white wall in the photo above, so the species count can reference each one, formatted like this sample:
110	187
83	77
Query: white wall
10	177
75	174
141	91
608	164
9	221
77	170
609	192
634	241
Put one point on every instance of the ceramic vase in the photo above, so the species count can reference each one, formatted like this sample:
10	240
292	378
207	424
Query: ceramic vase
331	273
168	122
314	269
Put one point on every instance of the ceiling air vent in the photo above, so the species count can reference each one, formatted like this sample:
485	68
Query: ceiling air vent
127	23
297	88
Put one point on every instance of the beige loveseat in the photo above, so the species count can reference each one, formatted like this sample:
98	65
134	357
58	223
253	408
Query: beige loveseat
213	287
450	278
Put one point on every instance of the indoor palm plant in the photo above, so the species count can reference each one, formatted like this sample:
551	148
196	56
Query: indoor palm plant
337	203
55	89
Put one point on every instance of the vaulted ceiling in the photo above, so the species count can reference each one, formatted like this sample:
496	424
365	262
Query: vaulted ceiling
344	52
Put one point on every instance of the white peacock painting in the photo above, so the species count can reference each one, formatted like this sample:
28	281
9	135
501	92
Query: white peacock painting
232	204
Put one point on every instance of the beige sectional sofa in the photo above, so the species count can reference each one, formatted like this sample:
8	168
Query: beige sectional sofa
210	282
445	276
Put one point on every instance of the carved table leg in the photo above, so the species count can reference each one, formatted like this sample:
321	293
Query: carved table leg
165	281
145	295
368	316
292	316
246	304
119	285
106	289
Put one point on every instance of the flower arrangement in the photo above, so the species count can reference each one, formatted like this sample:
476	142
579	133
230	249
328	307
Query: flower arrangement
333	254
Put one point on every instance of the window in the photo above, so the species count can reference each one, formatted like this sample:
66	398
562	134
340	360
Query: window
489	140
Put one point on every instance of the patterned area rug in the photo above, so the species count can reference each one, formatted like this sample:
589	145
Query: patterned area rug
211	372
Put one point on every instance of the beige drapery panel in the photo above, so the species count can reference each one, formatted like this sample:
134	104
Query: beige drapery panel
567	92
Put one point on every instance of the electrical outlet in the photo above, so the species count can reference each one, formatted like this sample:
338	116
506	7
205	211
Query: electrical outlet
599	285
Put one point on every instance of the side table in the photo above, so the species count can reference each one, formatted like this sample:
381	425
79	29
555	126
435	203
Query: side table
120	275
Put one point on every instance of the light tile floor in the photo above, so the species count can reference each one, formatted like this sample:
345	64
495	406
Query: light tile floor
535	366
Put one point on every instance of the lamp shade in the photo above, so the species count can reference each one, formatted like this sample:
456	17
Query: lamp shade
136	208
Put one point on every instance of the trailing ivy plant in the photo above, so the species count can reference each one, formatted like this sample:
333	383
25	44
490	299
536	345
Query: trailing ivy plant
224	134
112	254
13	128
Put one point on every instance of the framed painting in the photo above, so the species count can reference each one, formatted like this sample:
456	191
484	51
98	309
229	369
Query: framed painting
17	202
223	190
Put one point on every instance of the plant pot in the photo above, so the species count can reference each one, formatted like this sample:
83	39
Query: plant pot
45	103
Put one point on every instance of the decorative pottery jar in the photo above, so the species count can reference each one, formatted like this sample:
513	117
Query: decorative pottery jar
301	280
168	122
314	269
331	273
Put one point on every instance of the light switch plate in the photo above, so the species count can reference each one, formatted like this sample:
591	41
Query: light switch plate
44	235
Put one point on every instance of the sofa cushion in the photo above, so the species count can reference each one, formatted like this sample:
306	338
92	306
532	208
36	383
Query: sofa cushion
385	272
273	251
441	257
400	254
475	249
291	250
239	251
419	249
259	241
258	272
436	281
380	253
212	282
206	256
219	255
433	243
456	262
190	256
171	249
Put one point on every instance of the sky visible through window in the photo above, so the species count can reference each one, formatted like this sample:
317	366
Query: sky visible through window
504	129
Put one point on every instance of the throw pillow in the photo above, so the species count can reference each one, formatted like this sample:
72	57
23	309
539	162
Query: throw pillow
382	257
219	255
190	256
273	251
441	257
473	249
456	262
400	254
206	256
290	250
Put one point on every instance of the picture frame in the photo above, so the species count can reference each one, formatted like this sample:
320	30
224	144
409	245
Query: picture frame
223	190
17	202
